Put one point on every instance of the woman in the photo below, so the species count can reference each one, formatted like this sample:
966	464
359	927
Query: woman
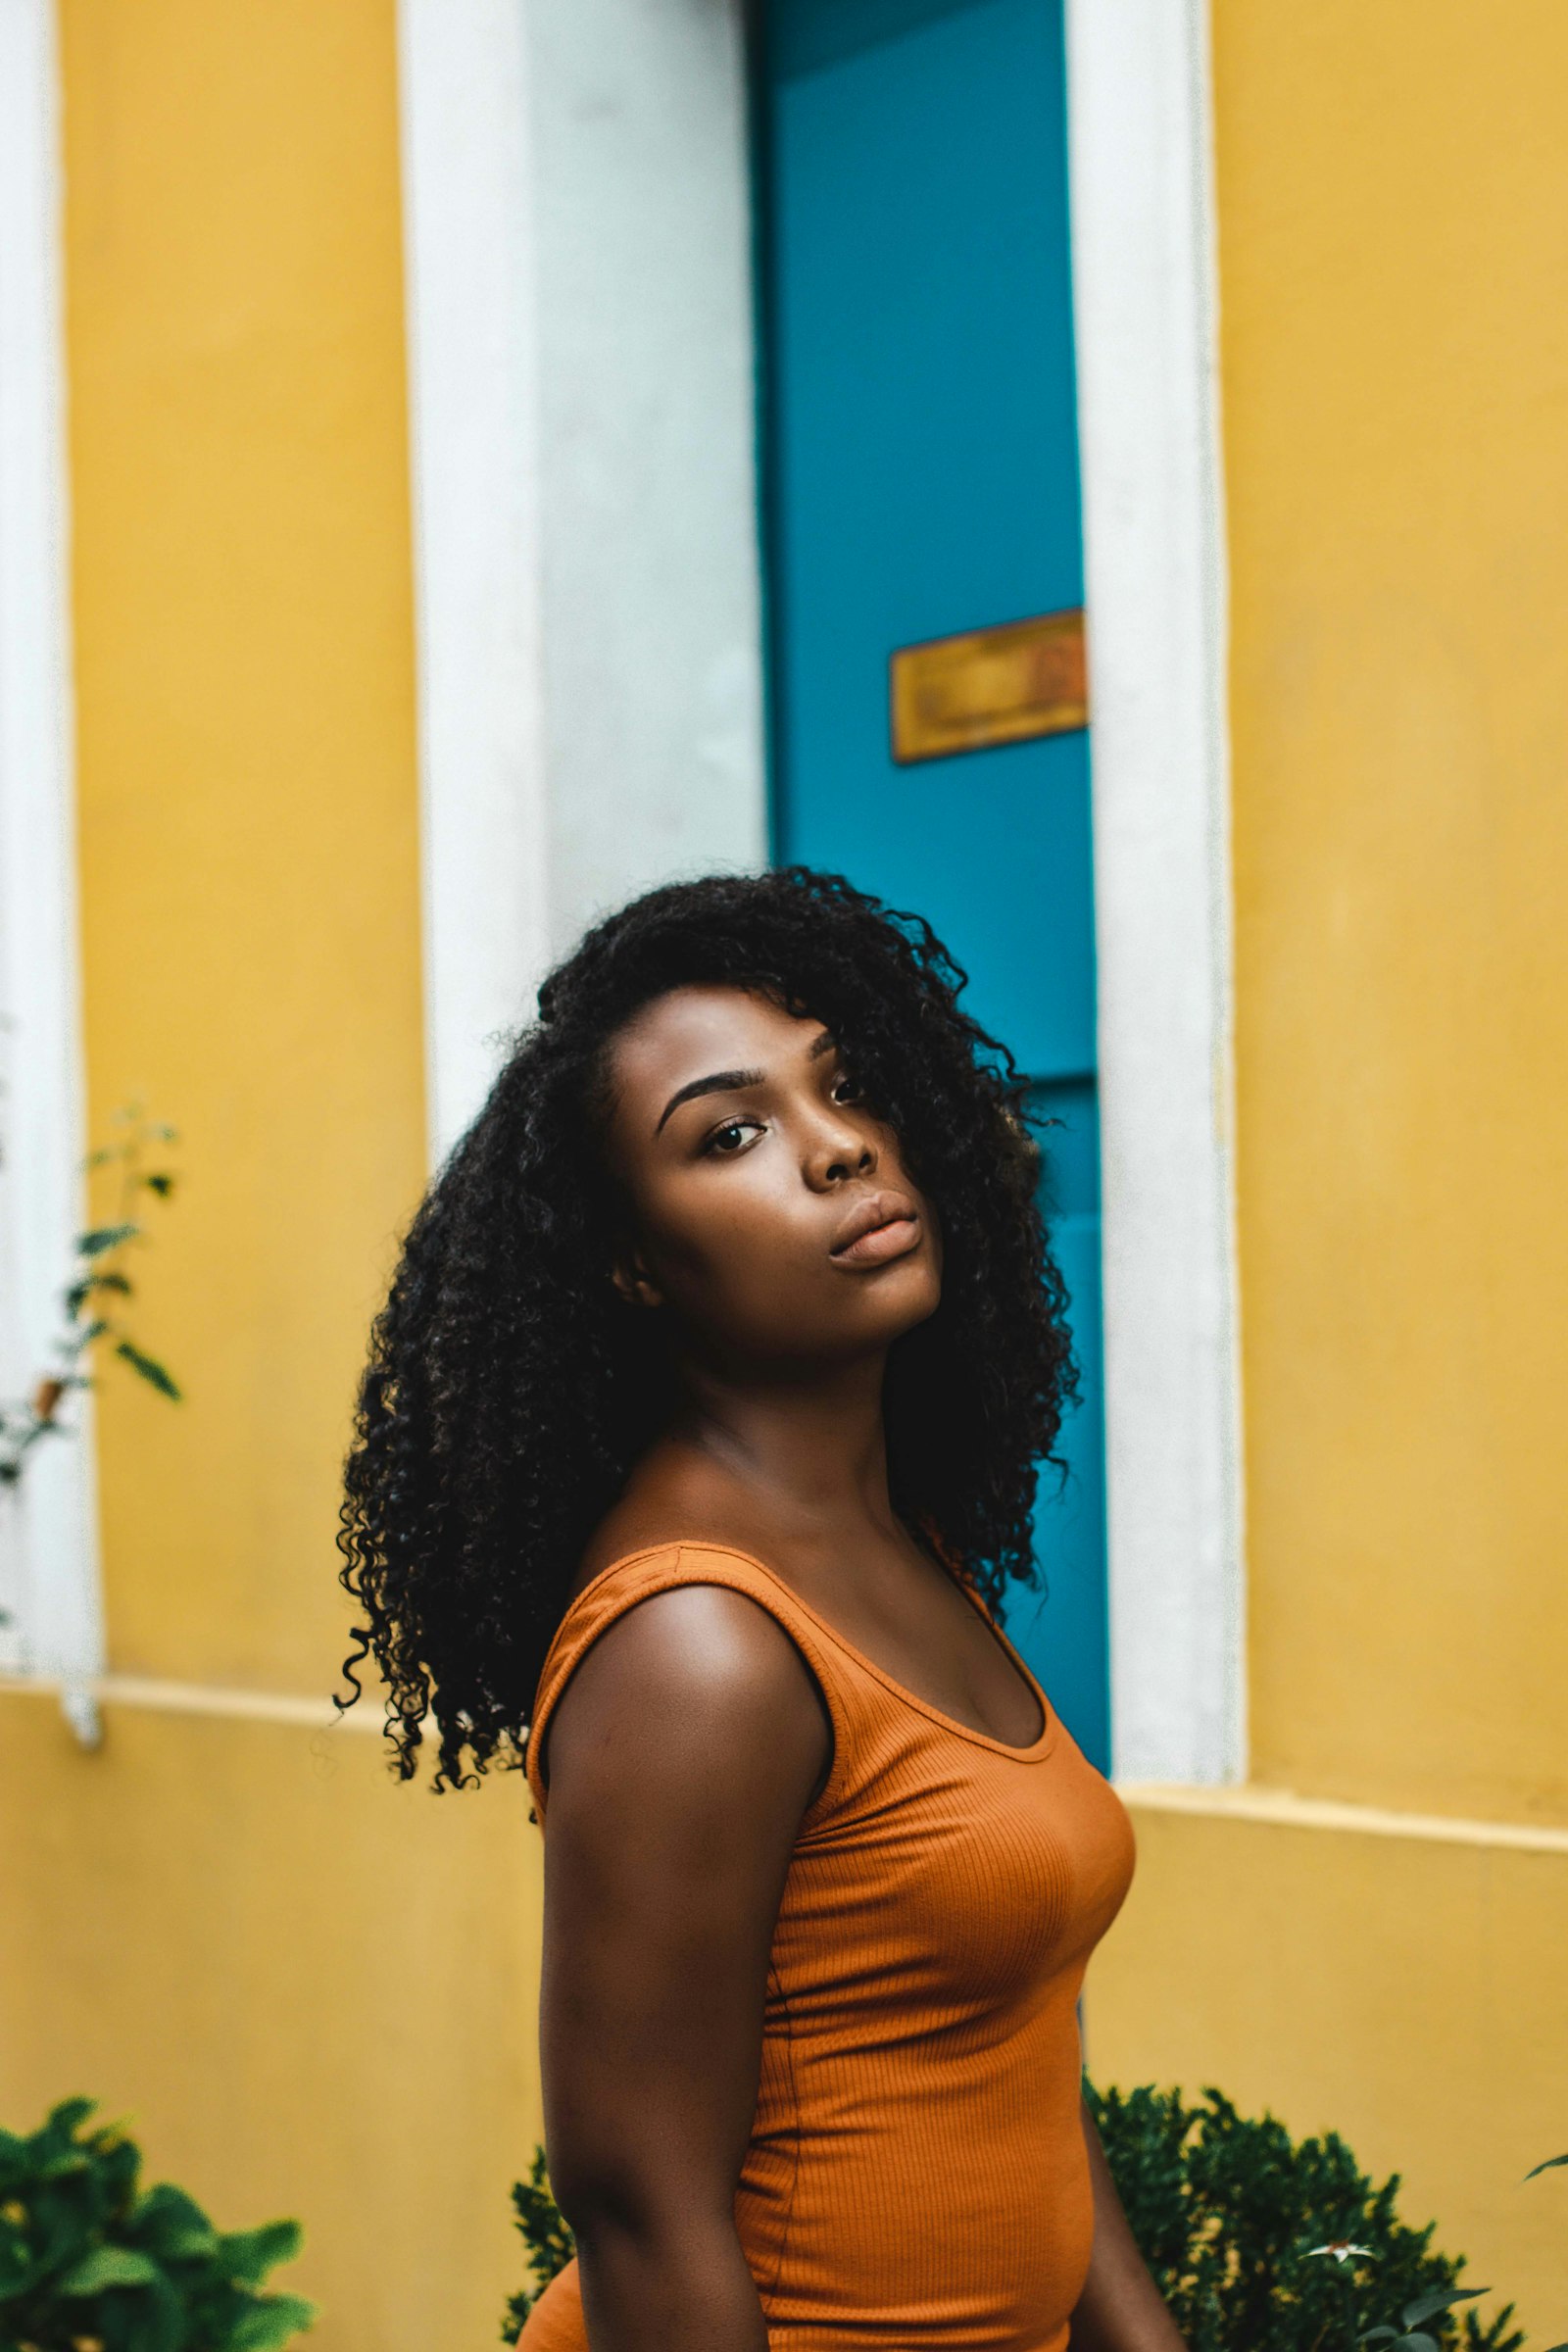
697	1449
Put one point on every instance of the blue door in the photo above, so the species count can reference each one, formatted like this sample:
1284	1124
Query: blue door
922	481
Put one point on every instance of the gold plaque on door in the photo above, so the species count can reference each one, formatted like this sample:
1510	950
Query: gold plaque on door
1002	685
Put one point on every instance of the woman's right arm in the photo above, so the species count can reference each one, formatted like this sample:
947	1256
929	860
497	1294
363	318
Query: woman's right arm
681	1757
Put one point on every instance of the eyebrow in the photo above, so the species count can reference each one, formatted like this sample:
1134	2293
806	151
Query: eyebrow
717	1082
720	1082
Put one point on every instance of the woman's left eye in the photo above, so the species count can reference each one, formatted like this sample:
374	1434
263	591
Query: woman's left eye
729	1139
844	1088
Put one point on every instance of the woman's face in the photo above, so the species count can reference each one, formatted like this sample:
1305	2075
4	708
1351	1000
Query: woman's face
770	1213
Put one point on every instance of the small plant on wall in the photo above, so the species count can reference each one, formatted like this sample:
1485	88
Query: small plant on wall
96	1300
89	2259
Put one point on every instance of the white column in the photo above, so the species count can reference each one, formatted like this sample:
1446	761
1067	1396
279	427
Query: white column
49	1582
577	211
1145	295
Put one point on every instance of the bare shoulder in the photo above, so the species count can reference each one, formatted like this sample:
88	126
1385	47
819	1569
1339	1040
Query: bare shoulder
695	1681
674	1497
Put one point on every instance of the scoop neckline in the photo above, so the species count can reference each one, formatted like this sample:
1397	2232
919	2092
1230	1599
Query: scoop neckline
1034	1753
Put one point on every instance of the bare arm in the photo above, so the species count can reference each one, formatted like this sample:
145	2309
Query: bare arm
680	1760
1121	2309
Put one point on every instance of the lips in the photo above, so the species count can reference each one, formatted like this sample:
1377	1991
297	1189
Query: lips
878	1229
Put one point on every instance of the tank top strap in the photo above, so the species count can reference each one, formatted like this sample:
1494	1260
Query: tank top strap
619	1587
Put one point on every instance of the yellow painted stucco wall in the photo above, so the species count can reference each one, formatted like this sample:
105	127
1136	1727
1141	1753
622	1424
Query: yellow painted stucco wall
246	771
1394	331
1390	1979
1394	251
313	1990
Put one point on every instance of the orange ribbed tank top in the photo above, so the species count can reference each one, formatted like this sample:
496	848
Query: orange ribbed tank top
916	2173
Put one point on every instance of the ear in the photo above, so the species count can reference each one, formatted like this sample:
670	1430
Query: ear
633	1281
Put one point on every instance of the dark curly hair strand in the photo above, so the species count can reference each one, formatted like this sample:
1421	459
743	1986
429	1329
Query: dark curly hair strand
509	1390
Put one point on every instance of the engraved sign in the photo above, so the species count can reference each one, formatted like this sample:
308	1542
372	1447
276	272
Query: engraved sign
1001	685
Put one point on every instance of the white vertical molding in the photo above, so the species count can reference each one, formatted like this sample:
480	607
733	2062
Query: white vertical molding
576	218
473	307
652	572
1144	293
48	1531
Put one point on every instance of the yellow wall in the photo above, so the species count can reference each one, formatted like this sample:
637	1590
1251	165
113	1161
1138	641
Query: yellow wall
1394	254
314	1990
1393	306
1396	1986
247	777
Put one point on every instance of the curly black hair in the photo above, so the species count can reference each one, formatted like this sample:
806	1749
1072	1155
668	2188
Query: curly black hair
509	1390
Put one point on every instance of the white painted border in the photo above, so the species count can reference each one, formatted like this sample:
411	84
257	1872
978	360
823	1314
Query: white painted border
473	399
1145	296
54	1531
577	209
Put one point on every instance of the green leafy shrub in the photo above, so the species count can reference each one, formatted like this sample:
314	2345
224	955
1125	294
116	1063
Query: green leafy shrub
90	2259
546	2233
1256	2239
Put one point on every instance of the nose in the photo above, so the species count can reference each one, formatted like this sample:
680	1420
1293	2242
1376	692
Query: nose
840	1148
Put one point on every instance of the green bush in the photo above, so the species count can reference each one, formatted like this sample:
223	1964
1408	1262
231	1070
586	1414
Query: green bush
88	2258
1233	2217
545	2232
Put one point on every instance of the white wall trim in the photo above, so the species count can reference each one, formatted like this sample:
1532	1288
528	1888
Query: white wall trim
153	1696
473	403
576	205
1145	295
48	1534
1262	1807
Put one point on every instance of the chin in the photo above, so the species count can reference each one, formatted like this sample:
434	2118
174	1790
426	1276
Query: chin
908	1293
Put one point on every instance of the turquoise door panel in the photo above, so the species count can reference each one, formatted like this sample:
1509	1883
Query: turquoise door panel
923	480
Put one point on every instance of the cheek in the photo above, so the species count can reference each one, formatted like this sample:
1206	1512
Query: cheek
730	1236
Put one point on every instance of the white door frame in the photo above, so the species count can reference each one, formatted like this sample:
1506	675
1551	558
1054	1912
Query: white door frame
545	329
1145	280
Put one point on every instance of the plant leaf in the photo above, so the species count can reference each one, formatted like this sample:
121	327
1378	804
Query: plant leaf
150	1368
270	2321
1546	2168
100	1237
109	1280
1427	2307
108	2265
171	2225
62	2121
161	1182
249	2254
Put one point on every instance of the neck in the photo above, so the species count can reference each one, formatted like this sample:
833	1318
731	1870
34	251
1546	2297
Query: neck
811	1450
